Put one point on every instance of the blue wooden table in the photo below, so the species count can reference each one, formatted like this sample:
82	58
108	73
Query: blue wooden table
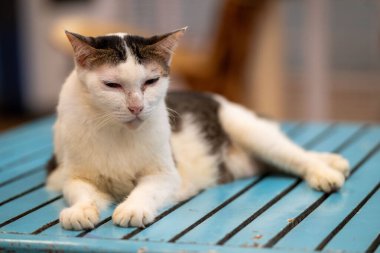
271	213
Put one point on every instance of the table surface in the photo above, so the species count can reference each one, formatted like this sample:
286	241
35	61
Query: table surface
270	213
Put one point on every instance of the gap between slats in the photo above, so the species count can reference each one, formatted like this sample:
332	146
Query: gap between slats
374	245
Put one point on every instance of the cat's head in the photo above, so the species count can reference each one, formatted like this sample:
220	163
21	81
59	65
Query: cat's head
125	76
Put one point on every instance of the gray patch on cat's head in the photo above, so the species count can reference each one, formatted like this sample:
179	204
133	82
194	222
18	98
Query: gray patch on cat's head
92	52
157	49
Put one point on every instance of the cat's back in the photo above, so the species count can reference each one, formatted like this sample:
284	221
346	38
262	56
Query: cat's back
198	139
199	110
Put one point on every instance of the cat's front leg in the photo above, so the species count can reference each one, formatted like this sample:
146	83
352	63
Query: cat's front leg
85	204
151	193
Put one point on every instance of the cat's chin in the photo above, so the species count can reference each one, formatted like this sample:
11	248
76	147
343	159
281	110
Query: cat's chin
134	124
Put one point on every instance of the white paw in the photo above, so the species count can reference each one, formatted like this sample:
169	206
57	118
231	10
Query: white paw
336	162
79	217
128	214
324	179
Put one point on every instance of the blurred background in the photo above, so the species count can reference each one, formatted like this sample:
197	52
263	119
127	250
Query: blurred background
288	59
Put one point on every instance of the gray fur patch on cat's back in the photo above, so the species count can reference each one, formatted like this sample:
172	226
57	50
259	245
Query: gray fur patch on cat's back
204	110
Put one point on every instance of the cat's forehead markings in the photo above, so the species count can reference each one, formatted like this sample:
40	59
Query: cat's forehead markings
121	35
130	70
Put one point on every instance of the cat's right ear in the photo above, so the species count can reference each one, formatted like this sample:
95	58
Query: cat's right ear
82	49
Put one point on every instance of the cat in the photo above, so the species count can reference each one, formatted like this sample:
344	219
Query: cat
120	136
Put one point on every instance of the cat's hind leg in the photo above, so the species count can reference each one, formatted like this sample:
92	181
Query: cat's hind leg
85	201
264	139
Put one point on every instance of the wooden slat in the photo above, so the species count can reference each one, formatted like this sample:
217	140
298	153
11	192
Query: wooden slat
24	204
37	164
37	219
235	217
288	126
361	230
26	131
23	243
279	214
336	207
23	157
31	155
12	147
17	187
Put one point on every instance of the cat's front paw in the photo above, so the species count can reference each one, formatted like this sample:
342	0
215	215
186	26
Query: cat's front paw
335	161
79	217
129	214
324	179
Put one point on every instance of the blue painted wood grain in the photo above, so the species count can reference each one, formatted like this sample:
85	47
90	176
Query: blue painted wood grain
308	132
288	126
32	243
37	163
267	225
334	209
26	202
43	135
37	219
361	230
12	189
21	158
27	130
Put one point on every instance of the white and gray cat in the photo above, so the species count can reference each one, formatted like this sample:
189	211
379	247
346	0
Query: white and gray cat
120	137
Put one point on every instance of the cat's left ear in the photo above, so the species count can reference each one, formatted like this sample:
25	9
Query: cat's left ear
167	43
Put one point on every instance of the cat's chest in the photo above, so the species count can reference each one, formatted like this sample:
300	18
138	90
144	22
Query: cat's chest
121	154
115	164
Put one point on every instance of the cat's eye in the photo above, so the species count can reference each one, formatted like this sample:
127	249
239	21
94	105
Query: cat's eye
151	81
113	85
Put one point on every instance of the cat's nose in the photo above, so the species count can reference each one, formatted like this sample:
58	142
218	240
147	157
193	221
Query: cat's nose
135	109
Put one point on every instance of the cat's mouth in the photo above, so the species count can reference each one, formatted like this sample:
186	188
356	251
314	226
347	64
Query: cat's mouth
134	123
